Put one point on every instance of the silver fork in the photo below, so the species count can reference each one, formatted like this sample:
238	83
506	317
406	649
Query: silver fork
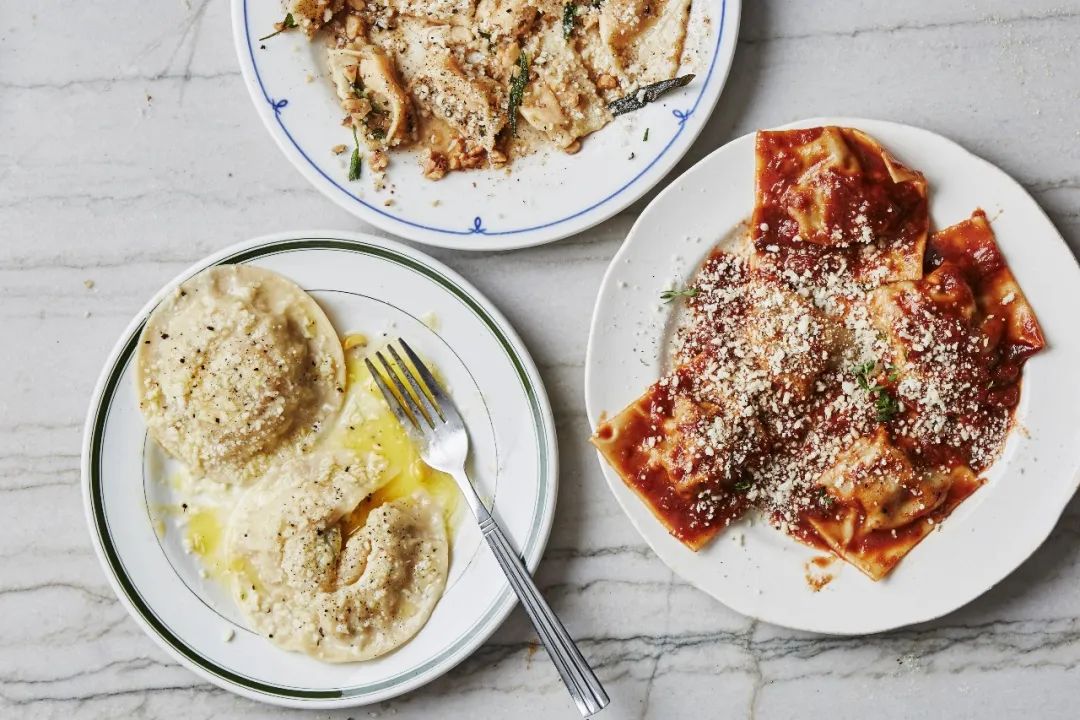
432	419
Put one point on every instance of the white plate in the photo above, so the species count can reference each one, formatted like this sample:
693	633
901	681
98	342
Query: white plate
991	533
546	197
365	285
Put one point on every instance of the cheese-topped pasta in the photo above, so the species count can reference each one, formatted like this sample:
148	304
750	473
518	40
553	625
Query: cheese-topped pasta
477	84
313	575
839	371
238	366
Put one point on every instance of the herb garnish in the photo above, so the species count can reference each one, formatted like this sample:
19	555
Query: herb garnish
287	24
517	90
354	161
862	375
886	405
569	11
669	295
645	138
645	95
742	485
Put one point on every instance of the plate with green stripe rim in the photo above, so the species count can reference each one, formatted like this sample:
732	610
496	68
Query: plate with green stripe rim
366	285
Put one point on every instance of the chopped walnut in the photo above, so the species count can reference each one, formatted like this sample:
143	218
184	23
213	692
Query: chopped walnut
497	158
338	149
463	156
378	161
357	106
606	82
436	166
354	26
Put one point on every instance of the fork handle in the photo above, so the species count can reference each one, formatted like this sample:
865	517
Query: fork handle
576	674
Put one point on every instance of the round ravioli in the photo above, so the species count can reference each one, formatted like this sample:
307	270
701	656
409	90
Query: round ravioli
318	572
237	367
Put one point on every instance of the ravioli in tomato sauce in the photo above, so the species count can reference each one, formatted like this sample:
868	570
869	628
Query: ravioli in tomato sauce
840	370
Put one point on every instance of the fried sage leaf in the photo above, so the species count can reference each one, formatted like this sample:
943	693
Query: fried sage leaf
354	160
569	11
517	90
645	95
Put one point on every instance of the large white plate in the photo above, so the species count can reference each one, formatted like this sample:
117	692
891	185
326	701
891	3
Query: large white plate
366	285
546	197
992	532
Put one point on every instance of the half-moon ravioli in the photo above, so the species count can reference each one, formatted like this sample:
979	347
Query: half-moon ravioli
313	577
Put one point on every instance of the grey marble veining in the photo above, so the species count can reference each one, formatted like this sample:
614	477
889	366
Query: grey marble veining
131	149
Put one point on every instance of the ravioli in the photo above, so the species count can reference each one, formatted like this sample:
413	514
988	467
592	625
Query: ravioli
851	380
317	572
238	367
882	506
685	447
834	193
477	84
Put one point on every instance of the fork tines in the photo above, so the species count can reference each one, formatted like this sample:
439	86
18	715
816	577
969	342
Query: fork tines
410	388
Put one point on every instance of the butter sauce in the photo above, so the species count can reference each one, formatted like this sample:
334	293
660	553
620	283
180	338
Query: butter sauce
367	426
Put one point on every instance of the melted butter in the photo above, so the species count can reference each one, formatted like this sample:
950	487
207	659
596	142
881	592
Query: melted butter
202	507
372	428
435	133
354	340
247	579
204	533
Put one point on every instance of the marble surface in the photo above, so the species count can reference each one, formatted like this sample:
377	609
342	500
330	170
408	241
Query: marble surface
131	149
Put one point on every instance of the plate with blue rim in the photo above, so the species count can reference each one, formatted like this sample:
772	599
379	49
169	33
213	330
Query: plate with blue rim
545	196
380	289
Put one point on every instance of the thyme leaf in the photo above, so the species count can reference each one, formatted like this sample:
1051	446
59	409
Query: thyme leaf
287	24
863	376
669	295
886	405
892	373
